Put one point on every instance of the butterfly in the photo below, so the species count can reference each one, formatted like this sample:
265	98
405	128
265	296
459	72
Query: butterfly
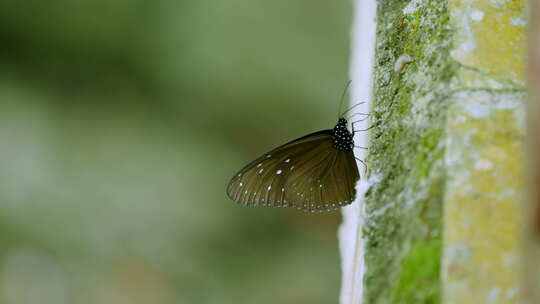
314	173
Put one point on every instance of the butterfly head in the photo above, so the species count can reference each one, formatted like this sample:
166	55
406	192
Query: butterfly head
342	138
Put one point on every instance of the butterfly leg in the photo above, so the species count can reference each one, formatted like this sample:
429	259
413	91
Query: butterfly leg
357	121
363	130
353	115
363	163
354	106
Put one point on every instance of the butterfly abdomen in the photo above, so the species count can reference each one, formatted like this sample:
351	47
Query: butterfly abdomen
342	139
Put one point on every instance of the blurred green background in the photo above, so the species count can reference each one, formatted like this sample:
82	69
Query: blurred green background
121	123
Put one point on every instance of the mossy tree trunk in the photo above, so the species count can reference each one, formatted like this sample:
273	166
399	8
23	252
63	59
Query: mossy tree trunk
406	158
442	217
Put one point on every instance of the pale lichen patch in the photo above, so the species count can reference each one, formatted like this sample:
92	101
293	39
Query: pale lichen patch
485	187
496	44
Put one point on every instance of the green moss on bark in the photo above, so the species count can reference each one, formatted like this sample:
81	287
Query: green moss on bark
418	270
404	204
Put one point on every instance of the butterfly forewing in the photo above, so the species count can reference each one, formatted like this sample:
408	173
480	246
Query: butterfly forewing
307	173
258	182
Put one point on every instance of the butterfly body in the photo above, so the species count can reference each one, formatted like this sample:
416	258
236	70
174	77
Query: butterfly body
342	139
314	173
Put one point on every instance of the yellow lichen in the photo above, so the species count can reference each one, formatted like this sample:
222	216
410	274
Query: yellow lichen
491	37
483	219
482	214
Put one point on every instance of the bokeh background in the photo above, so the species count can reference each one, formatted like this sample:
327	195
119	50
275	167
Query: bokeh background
121	123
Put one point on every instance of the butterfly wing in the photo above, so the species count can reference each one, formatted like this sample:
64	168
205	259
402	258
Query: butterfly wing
327	185
307	173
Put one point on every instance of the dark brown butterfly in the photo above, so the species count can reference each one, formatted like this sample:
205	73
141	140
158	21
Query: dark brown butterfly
314	173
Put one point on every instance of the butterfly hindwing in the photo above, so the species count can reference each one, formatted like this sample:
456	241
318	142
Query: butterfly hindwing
307	173
325	184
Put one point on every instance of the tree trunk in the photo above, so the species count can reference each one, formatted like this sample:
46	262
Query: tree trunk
442	220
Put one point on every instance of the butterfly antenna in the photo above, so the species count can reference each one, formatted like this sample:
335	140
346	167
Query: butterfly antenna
343	96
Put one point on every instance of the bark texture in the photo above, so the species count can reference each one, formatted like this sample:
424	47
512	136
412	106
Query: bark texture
443	215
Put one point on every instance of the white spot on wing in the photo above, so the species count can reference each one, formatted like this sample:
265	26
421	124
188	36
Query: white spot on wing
269	187
261	171
279	172
241	184
287	160
260	164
